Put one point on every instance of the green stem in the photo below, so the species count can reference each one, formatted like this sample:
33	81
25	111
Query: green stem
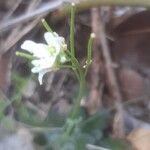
46	26
72	26
81	79
72	22
90	43
24	55
76	107
89	52
71	122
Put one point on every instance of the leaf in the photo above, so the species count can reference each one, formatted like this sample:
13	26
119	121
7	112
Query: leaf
115	144
97	121
3	105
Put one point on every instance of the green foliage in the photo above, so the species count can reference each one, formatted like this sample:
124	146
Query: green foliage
115	144
55	119
88	131
99	120
29	116
3	105
8	124
19	82
74	142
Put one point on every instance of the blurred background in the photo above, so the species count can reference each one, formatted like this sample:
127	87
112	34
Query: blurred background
118	80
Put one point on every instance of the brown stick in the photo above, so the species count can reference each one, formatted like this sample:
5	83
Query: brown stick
95	95
113	86
110	73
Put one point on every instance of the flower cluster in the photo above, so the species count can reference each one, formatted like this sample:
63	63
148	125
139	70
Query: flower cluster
45	56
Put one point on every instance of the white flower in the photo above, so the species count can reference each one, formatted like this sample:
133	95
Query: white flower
45	55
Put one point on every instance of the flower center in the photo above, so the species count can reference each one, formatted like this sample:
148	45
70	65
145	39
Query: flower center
52	50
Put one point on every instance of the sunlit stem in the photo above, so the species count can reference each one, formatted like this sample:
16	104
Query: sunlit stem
24	55
72	26
46	26
89	52
80	73
72	22
76	107
81	78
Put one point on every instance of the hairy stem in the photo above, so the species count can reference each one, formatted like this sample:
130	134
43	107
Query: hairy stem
76	107
89	53
72	20
46	26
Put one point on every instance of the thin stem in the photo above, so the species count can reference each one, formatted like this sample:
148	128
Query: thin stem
24	55
76	106
72	26
72	22
75	64
81	79
76	73
89	52
46	26
90	43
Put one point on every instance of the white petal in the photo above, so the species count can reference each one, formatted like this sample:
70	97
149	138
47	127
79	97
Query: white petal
63	59
42	64
41	51
37	49
55	34
60	40
41	74
36	69
54	40
50	38
29	46
61	43
36	63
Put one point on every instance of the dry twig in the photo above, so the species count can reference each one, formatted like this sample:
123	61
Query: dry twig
110	73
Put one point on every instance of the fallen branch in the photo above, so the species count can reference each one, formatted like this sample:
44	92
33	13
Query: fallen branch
87	4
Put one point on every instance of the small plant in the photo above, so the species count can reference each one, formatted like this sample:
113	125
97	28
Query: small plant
56	55
77	131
